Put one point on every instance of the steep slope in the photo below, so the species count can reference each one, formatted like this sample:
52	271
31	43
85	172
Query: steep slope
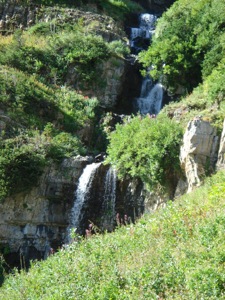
176	253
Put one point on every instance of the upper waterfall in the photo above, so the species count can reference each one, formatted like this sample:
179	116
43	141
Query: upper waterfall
151	96
141	36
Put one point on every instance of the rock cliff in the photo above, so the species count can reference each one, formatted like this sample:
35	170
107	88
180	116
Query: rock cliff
31	223
110	72
221	155
199	151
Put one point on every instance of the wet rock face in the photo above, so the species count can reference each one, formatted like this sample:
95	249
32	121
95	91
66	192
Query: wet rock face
130	87
199	151
32	223
111	73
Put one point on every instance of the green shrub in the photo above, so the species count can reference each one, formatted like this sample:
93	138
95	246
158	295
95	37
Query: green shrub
64	145
23	157
118	9
118	48
146	148
21	164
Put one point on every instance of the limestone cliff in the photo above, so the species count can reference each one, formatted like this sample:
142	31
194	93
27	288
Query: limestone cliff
31	223
199	151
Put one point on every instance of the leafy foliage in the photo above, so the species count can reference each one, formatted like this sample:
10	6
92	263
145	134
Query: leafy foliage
63	49
34	104
146	148
207	100
35	67
188	43
23	157
30	139
118	9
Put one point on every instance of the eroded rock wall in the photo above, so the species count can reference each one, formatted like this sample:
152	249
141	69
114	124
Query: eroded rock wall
198	153
221	155
32	223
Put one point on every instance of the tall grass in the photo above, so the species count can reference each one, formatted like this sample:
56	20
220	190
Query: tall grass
175	253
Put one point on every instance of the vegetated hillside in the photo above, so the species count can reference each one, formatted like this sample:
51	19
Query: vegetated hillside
41	113
188	55
175	253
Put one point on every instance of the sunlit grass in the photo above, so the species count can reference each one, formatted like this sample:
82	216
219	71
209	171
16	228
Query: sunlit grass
174	253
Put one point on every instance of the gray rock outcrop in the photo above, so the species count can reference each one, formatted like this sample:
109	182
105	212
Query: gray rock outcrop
199	151
221	155
31	223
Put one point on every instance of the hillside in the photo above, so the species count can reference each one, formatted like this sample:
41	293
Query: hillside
175	253
48	85
67	78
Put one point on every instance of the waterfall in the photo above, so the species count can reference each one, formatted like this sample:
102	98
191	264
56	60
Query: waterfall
141	36
147	24
151	97
150	100
82	194
109	200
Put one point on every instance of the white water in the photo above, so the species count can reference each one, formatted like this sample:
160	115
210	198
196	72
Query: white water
147	24
81	195
151	97
150	100
145	30
109	200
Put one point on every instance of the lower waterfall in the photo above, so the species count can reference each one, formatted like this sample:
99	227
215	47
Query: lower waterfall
81	195
109	200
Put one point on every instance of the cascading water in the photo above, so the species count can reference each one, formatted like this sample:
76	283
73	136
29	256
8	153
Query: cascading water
109	200
95	197
140	36
151	97
81	195
150	100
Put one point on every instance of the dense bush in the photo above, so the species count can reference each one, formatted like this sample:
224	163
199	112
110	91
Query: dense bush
118	9
146	148
60	50
33	104
208	100
28	105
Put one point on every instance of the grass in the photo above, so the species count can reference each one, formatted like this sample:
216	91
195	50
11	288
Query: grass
175	253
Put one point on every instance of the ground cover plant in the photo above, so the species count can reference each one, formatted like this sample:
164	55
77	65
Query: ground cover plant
175	253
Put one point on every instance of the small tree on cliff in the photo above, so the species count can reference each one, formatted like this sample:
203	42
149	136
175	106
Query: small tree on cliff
146	148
